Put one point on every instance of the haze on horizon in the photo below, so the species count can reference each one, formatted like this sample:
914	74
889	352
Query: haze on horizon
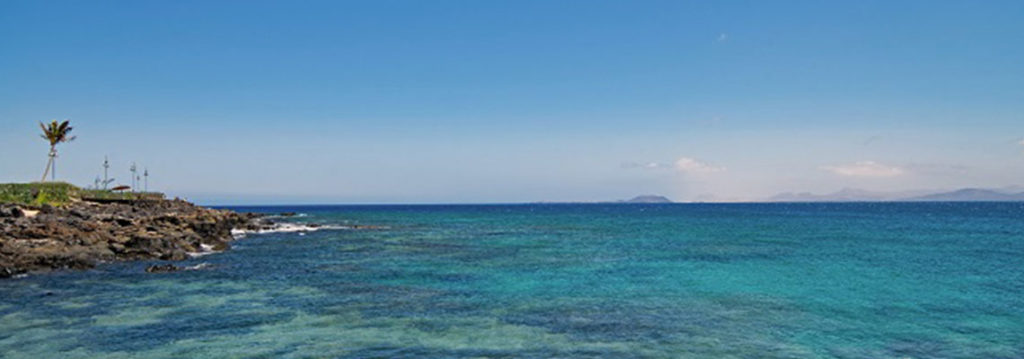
459	101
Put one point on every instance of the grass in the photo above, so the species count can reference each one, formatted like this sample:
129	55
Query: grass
51	193
61	193
102	194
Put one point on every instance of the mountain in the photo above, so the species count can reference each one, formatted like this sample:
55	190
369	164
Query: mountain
844	195
648	199
858	195
971	194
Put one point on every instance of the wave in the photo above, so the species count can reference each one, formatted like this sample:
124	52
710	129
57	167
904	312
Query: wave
287	228
278	216
199	266
205	249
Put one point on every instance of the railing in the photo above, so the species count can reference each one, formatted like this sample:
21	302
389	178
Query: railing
111	196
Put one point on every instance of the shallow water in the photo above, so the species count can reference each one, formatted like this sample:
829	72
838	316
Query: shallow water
892	280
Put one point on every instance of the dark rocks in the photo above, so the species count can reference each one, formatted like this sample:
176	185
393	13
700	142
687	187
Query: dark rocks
10	211
78	213
167	268
163	268
81	234
220	246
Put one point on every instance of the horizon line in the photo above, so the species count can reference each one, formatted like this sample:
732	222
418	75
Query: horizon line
578	203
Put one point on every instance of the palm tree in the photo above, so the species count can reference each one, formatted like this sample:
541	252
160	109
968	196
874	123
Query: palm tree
55	133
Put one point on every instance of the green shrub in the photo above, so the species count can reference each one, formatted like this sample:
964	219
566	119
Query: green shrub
49	193
101	194
60	193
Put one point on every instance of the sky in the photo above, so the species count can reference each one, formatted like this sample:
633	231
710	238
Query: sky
246	102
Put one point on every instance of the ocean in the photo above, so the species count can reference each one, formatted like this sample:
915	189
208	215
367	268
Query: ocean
830	280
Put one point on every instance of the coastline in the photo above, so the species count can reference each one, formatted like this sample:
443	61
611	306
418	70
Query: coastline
82	234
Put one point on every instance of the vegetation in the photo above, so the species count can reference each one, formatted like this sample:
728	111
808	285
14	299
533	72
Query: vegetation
55	133
108	195
60	193
52	193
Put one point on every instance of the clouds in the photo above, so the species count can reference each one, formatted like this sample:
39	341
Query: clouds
1021	142
683	164
694	166
645	165
870	169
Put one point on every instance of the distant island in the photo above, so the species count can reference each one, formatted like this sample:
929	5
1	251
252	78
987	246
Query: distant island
859	195
647	199
971	194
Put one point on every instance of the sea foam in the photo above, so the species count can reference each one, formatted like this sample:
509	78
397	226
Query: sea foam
205	249
287	228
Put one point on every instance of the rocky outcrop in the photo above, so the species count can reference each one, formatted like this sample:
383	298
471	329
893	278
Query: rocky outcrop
82	234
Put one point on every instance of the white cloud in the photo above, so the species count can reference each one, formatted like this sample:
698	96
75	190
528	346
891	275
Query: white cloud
690	165
865	169
722	37
683	164
1021	142
645	165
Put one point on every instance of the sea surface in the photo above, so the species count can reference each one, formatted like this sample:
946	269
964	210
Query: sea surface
853	280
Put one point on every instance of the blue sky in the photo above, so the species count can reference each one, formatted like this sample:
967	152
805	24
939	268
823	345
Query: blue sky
488	101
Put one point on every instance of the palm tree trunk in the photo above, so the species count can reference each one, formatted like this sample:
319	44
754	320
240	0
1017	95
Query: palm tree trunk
49	164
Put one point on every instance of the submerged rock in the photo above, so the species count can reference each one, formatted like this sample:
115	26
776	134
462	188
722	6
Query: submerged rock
166	268
163	268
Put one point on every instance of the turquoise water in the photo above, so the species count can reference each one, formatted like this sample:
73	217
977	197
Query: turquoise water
892	280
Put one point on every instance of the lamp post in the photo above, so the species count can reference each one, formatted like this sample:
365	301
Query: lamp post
134	179
106	165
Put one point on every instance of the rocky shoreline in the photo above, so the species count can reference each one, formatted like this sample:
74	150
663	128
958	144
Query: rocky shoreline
83	234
